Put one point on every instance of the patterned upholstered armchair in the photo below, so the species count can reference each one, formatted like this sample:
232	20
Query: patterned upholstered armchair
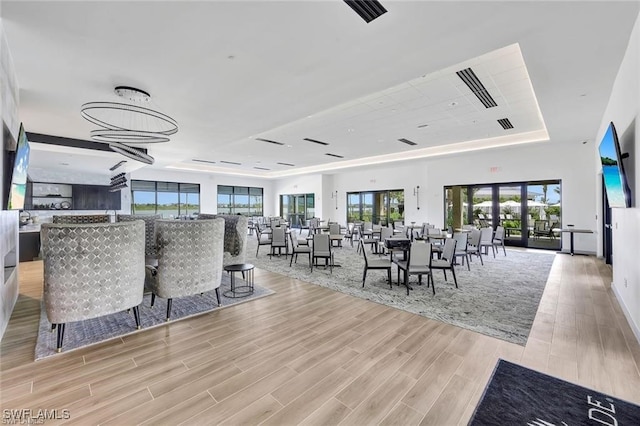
235	237
149	230
91	270
189	259
82	218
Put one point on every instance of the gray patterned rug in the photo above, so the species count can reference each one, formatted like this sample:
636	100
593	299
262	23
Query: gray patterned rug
499	299
83	333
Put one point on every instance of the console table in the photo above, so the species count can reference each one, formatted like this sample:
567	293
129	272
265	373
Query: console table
572	231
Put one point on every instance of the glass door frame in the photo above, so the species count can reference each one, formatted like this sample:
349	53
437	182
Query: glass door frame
301	218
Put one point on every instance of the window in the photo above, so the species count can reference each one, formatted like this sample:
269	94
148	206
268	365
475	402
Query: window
375	206
243	200
170	199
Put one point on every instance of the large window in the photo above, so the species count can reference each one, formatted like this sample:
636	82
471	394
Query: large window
530	212
170	199
297	208
375	206
243	200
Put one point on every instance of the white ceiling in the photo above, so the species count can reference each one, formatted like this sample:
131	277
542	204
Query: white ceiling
229	72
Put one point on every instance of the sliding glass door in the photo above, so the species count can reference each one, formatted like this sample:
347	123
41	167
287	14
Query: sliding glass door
379	207
297	208
529	211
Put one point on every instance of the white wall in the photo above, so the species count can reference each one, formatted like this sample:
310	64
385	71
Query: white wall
208	187
622	110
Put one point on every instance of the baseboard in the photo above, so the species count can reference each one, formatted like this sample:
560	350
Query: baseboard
627	315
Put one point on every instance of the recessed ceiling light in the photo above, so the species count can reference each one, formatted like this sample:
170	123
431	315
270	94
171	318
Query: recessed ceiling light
452	104
585	141
351	130
289	146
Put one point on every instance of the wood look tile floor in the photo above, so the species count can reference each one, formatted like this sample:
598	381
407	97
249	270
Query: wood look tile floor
308	355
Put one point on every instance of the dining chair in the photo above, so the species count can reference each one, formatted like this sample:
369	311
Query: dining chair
486	240
385	232
322	250
334	234
380	263
461	247
498	240
279	241
297	249
264	238
473	246
417	263
446	260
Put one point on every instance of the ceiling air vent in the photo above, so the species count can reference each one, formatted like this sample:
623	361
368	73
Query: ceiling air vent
334	155
408	142
261	168
367	9
422	126
470	79
316	141
269	141
230	162
287	164
505	123
203	161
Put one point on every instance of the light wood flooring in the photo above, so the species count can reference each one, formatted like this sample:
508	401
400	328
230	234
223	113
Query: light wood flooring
308	355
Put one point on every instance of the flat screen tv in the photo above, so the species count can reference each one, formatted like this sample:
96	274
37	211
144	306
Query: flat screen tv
18	186
615	180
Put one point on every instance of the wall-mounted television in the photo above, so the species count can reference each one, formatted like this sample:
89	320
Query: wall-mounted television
615	180
18	186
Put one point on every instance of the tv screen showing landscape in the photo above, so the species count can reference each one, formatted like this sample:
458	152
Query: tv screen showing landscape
612	169
19	177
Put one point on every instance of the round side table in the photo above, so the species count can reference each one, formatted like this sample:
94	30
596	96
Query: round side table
240	290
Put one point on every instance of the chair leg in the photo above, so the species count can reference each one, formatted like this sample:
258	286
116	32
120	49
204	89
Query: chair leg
364	276
218	296
389	278
53	327
168	309
468	261
60	337
504	249
455	280
291	261
433	285
136	315
480	256
153	299
444	271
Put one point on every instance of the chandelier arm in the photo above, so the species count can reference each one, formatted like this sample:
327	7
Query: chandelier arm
131	153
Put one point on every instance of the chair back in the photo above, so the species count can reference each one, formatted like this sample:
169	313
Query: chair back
499	235
486	235
419	254
92	269
190	254
461	241
364	252
278	236
334	229
386	232
474	237
321	244
149	229
293	240
449	250
368	226
434	232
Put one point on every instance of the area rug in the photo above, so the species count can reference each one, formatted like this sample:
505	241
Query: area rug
83	333
517	395
499	299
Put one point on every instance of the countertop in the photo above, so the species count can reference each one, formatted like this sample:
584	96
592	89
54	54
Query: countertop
29	228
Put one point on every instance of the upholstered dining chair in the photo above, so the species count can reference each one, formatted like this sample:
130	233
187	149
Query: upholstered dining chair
149	231
380	263
486	240
279	241
263	238
91	270
297	249
446	260
498	240
190	256
473	244
417	263
322	250
461	247
235	237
